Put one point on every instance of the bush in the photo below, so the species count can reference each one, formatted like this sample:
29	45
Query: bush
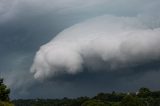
94	103
6	104
131	101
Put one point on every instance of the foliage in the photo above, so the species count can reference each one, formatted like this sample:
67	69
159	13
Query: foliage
4	94
6	104
129	100
144	97
4	91
144	92
112	97
93	103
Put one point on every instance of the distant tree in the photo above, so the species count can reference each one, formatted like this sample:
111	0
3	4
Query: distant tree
4	91
94	103
155	94
129	100
144	98
112	97
102	96
144	92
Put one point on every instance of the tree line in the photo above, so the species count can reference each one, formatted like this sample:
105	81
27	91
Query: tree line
144	97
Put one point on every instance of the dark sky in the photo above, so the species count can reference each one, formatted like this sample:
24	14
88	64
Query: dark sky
26	25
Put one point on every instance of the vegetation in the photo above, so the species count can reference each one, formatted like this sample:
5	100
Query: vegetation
144	97
4	94
6	104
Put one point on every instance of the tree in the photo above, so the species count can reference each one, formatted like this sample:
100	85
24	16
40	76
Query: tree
4	91
144	92
129	100
94	103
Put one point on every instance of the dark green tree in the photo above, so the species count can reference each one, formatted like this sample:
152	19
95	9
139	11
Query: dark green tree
129	100
144	92
94	103
4	91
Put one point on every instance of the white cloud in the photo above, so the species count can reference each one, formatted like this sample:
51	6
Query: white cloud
114	41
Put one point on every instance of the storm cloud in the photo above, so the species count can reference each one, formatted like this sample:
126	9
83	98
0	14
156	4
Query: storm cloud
103	42
99	45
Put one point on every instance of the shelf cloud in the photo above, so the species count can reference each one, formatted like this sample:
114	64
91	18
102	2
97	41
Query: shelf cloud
106	43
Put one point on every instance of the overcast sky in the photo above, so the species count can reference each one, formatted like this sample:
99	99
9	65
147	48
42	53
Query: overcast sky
71	48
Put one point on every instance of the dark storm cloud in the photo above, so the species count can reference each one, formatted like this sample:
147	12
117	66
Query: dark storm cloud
25	25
